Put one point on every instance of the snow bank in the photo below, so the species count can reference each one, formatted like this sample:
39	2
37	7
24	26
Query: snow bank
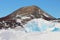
42	25
37	29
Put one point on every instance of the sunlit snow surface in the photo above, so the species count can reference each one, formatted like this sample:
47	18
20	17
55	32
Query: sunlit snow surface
42	25
36	29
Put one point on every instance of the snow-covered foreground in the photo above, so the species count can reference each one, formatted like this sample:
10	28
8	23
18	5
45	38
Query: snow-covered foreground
19	35
36	29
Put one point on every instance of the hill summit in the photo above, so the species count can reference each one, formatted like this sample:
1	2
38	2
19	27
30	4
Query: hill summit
22	15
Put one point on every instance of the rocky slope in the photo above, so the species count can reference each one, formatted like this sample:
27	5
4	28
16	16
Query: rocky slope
21	16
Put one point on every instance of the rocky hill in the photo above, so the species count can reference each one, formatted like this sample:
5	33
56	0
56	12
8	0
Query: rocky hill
22	15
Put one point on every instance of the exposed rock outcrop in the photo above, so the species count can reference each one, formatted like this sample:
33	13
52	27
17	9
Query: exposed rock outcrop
22	16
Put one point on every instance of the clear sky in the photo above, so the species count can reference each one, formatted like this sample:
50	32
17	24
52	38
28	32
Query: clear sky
50	6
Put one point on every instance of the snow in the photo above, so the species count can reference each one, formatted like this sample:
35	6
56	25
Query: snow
20	35
25	17
37	29
40	25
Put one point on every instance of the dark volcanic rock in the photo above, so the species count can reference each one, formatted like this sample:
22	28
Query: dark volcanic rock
24	15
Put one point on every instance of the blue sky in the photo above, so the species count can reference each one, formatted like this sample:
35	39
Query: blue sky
50	6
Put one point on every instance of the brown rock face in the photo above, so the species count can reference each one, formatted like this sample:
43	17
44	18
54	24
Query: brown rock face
29	11
25	14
